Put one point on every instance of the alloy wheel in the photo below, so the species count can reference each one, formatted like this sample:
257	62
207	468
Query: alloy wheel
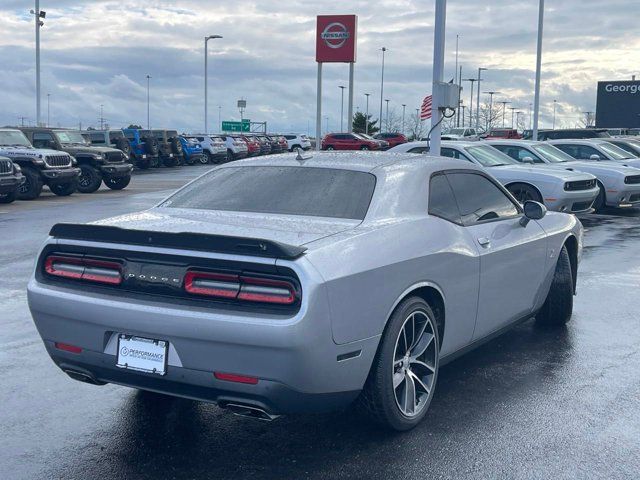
414	363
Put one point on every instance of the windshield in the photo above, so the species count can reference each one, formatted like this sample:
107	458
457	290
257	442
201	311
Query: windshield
456	131
70	136
14	138
318	192
364	135
489	156
615	152
553	154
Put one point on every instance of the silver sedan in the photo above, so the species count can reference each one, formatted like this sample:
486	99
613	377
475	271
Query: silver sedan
619	184
596	149
304	284
562	191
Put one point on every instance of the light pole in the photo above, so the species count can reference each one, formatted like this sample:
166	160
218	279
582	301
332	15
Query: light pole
39	18
341	87
404	106
513	109
387	115
518	113
555	102
366	116
471	80
478	99
148	121
206	70
490	118
504	107
531	115
220	118
48	110
326	125
437	76
384	49
536	95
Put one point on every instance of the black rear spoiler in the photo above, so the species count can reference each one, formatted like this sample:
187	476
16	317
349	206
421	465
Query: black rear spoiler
183	240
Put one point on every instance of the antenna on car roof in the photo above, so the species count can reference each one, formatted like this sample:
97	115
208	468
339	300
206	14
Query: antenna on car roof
300	157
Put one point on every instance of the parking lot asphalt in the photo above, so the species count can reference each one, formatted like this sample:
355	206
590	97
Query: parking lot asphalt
533	403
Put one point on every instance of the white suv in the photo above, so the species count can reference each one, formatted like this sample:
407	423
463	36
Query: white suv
295	140
213	147
236	147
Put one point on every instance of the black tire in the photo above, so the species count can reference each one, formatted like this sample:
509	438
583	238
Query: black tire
117	183
151	145
124	145
32	187
523	192
600	202
330	147
176	146
377	400
171	162
558	306
292	149
64	189
364	148
8	197
230	156
89	180
206	158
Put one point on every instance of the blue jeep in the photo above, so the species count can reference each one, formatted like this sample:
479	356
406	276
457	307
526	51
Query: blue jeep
144	148
192	151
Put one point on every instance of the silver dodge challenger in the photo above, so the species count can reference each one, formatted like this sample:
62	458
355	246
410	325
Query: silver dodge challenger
294	284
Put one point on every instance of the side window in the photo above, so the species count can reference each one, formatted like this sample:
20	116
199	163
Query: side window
42	140
518	153
418	150
96	138
585	151
442	202
568	149
451	153
479	200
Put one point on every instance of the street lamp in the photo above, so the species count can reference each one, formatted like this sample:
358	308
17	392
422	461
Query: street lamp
39	16
148	122
489	119
536	94
220	118
206	96
513	109
404	105
326	126
366	116
478	99
48	110
387	115
384	49
504	107
341	87
472	80
555	102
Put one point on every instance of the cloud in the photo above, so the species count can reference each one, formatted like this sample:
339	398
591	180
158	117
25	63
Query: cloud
99	53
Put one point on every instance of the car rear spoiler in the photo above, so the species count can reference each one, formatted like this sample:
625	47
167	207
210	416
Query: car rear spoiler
183	240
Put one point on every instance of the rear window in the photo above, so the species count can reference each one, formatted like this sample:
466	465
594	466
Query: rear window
317	192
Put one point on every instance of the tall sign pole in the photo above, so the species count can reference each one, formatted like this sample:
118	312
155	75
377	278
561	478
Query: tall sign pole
335	43
536	97
438	76
38	25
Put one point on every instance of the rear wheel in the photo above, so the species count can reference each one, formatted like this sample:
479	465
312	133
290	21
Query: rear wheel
8	197
524	192
402	380
123	144
32	187
89	180
206	158
230	156
64	189
330	147
117	183
558	306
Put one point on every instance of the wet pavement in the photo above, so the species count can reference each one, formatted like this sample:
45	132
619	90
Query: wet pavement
533	403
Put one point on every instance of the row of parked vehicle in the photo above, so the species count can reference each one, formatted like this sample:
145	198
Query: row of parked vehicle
573	175
362	141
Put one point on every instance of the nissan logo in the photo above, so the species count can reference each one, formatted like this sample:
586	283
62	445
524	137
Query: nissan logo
335	35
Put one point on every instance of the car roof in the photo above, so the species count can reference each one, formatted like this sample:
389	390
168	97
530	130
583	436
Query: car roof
511	141
359	161
579	140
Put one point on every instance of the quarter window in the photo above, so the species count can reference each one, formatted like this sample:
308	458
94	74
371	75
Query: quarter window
479	199
442	202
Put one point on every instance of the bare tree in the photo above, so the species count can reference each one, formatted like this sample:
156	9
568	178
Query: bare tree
490	117
588	120
416	128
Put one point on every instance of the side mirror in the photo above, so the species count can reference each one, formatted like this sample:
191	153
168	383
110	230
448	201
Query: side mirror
532	211
527	160
594	157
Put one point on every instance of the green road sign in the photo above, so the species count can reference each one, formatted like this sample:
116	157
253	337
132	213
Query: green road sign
243	126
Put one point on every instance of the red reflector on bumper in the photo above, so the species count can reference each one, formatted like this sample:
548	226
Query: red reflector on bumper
231	377
68	348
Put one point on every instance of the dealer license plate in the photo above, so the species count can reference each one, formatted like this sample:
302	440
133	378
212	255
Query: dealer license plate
142	354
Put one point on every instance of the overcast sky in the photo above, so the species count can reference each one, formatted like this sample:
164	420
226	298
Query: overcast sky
99	52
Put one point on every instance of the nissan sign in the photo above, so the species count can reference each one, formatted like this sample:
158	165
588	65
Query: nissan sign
618	104
336	38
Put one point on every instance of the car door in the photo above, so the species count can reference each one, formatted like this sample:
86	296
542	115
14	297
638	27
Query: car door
43	140
350	142
512	257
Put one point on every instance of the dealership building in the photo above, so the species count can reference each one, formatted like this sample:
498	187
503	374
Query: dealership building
618	104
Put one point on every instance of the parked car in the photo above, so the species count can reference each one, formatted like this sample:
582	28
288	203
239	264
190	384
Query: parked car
348	141
213	147
559	190
384	145
629	144
295	140
265	144
503	133
596	149
97	164
231	292
253	145
236	147
391	138
10	179
276	146
568	133
284	145
144	148
38	166
170	152
108	138
461	133
614	180
192	151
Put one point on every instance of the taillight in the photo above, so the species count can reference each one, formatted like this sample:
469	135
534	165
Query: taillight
67	348
232	377
240	287
82	268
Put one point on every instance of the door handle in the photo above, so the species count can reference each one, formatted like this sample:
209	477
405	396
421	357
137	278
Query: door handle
484	241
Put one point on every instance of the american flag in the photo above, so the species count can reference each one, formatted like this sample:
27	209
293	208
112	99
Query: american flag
425	111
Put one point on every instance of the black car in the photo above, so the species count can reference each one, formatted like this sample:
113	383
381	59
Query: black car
567	133
10	180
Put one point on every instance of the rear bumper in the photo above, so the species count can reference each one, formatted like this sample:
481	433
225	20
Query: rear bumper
116	170
59	175
10	183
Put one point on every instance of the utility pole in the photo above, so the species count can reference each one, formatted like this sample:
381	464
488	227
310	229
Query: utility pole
504	107
220	118
555	102
531	115
387	116
148	121
366	116
438	76
471	80
341	87
404	106
460	102
513	109
536	96
101	117
39	17
478	99
384	49
48	109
